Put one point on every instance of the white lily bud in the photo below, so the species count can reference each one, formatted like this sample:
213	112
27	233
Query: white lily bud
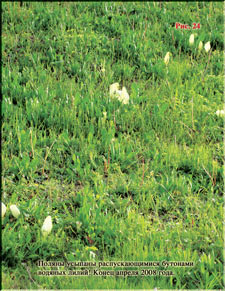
113	89
207	46
47	226
15	211
200	45
121	95
124	96
167	58
3	209
192	39
220	113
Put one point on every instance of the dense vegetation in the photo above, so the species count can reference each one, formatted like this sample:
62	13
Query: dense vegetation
122	182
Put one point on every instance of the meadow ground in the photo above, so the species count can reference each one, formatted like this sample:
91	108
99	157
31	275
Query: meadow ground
122	182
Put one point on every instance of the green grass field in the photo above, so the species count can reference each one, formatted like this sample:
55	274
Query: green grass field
122	182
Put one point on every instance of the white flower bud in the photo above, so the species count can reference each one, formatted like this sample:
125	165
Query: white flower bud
47	226
192	39
3	209
167	58
15	211
113	89
124	96
121	95
200	45
220	113
207	46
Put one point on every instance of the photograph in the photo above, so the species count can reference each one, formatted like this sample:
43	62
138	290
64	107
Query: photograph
112	145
